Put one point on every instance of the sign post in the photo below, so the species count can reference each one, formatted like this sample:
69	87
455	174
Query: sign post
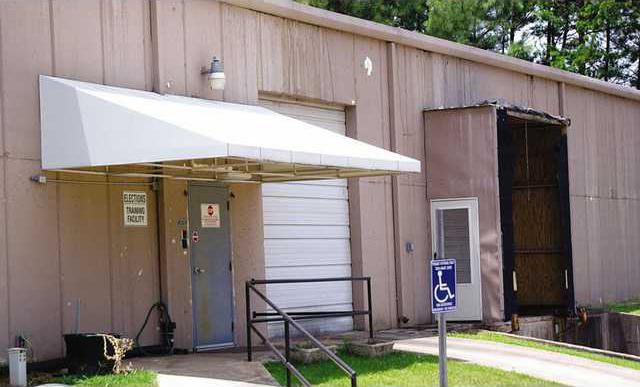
443	300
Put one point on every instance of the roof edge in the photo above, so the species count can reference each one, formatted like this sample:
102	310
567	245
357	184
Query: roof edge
540	115
292	10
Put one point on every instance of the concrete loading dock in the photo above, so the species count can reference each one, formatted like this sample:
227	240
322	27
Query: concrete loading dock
64	247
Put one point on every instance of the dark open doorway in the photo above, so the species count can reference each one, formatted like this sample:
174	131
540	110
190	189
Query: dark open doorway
534	214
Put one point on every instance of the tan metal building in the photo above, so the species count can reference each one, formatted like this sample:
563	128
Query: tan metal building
520	225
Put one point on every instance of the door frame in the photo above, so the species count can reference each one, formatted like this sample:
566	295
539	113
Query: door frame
233	342
471	204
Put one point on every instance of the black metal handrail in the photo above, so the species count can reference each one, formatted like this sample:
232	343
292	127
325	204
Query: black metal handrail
290	319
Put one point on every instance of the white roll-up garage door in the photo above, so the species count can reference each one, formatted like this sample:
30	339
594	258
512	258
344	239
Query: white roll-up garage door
306	234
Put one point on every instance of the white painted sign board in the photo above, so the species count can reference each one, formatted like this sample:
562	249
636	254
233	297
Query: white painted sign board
210	215
134	205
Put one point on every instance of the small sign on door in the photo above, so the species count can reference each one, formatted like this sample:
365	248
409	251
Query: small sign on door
134	205
210	215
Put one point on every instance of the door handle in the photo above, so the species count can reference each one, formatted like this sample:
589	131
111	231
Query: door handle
197	270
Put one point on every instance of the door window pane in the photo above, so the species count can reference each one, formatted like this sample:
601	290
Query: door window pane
453	240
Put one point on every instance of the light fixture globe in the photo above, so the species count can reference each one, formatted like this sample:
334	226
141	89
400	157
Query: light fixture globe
215	74
216	81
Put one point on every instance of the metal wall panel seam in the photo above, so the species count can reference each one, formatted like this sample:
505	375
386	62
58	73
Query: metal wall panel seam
106	187
57	189
393	105
4	203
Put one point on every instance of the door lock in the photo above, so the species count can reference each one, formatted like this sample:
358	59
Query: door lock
197	270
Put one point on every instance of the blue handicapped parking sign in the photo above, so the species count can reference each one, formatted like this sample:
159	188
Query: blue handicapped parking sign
443	285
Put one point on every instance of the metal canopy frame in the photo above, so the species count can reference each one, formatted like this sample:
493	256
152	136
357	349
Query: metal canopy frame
224	170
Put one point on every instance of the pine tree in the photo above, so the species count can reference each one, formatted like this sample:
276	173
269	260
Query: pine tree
628	40
407	14
470	22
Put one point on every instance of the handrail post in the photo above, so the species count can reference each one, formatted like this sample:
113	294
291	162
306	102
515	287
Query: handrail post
287	351
247	295
370	307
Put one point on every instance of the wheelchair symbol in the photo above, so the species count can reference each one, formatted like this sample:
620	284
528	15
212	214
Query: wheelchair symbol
441	292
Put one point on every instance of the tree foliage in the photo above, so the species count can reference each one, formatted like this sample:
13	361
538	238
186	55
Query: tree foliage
597	38
464	21
407	14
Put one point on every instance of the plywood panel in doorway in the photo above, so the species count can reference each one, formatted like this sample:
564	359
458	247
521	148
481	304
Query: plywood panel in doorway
535	272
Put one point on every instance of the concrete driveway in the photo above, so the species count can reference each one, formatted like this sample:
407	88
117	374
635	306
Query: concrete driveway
557	367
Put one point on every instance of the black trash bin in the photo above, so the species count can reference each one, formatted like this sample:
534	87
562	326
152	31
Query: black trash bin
85	353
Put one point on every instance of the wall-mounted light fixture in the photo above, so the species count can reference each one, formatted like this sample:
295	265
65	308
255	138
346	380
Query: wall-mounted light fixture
215	74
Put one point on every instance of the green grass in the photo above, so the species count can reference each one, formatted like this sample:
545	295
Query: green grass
133	379
496	337
404	369
631	306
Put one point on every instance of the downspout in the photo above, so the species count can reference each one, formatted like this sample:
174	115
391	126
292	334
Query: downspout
394	124
156	188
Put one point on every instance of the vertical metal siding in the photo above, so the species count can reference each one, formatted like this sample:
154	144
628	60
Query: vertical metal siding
459	166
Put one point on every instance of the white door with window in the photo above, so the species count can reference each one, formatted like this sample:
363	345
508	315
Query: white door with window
455	234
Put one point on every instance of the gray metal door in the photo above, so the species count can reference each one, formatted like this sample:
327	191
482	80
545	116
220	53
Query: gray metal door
212	287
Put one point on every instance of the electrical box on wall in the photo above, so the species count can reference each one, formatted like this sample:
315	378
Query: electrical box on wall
184	240
409	247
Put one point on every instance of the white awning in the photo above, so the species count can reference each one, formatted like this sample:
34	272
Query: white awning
90	125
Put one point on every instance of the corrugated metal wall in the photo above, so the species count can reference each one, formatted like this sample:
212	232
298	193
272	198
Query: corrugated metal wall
462	162
604	166
66	243
110	41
